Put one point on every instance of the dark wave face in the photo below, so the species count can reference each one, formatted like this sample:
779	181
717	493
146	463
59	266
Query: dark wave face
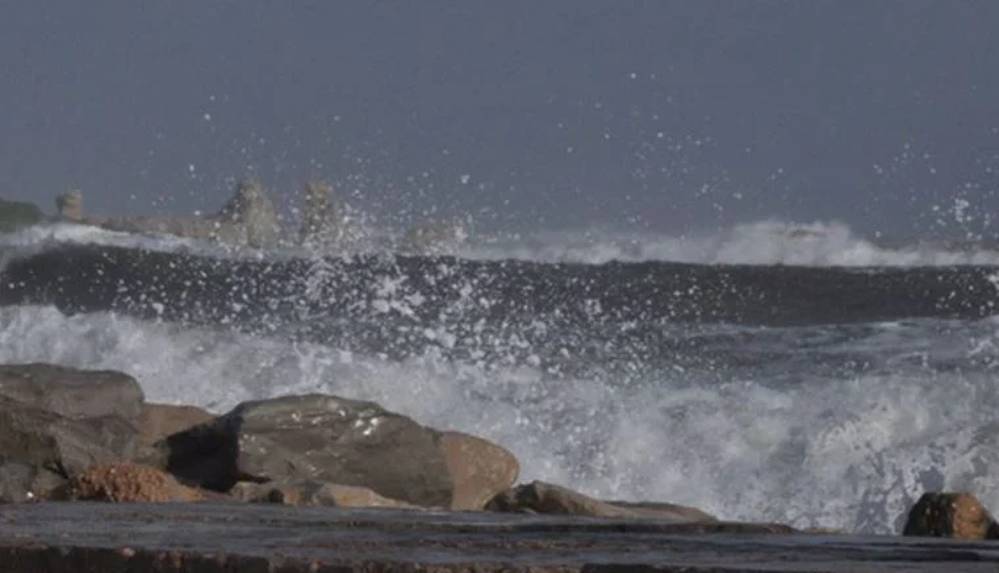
399	306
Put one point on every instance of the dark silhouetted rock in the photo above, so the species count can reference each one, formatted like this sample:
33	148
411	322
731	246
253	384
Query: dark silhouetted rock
312	493
126	483
479	469
317	438
72	393
541	497
955	515
16	215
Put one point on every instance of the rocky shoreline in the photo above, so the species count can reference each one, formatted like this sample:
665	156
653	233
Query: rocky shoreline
79	436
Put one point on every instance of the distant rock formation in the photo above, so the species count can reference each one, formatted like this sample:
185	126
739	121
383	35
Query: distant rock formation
69	206
248	219
16	215
252	214
323	217
436	238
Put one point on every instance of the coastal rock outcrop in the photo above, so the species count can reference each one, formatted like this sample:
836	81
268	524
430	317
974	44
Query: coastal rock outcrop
334	440
126	483
322	216
248	219
313	493
69	206
16	215
541	497
956	515
251	215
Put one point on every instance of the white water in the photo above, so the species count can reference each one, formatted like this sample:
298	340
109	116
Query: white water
897	408
758	243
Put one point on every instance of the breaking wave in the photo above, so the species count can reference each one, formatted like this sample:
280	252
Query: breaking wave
816	426
757	243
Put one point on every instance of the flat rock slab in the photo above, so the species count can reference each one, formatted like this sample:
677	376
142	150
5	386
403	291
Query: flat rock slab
210	537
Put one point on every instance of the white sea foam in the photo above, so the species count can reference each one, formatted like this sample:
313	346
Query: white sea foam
757	243
903	407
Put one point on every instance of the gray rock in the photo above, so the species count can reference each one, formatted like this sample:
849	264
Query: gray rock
39	448
72	393
253	213
70	206
319	438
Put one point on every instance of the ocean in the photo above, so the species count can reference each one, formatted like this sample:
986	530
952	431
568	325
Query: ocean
769	372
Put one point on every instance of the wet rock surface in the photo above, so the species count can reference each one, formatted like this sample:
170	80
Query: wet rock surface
546	498
956	515
83	537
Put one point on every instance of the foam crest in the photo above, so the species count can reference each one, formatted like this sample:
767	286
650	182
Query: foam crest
820	426
757	243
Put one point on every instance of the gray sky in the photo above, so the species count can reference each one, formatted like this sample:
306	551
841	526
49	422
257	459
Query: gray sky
527	114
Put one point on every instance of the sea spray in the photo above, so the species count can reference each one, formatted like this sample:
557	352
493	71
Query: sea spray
823	425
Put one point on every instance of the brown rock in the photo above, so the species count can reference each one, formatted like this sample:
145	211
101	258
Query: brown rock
541	497
480	470
311	493
955	515
125	483
158	421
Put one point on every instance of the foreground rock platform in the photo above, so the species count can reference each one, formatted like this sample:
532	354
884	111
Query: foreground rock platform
211	537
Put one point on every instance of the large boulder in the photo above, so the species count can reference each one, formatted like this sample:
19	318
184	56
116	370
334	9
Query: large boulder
546	498
954	515
313	493
16	215
329	439
126	483
40	448
479	469
72	393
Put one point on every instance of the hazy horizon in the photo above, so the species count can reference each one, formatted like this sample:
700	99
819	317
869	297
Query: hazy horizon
664	116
